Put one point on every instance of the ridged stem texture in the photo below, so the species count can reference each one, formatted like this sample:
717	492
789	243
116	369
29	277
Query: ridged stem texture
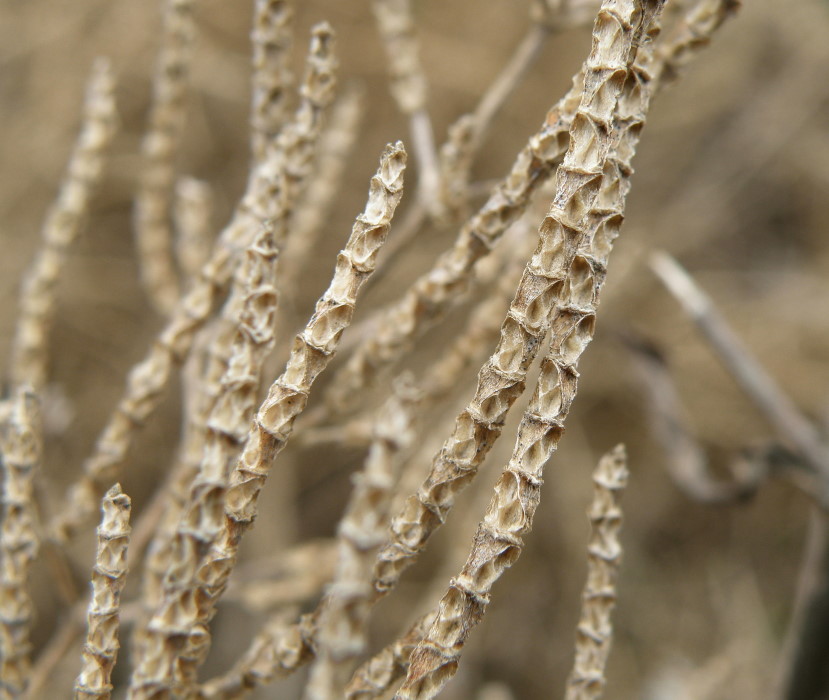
341	631
20	448
604	555
182	616
226	429
29	362
613	103
109	575
271	40
160	148
271	195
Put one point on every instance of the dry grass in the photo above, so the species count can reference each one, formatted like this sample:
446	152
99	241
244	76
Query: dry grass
191	242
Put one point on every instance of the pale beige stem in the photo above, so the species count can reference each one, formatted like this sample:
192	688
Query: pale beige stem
409	87
159	149
341	633
20	449
108	578
604	554
602	156
466	135
270	195
335	146
271	39
181	615
553	275
29	363
226	427
399	324
775	404
434	293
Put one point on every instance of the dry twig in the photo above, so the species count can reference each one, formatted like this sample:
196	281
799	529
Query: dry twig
83	175
154	201
20	448
271	195
108	577
181	615
604	554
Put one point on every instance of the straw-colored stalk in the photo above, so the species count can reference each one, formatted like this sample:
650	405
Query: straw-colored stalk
501	379
375	677
271	39
473	437
279	652
29	362
604	555
397	29
253	302
341	633
434	293
455	159
270	196
109	575
336	144
498	542
20	448
194	590
409	88
160	147
289	577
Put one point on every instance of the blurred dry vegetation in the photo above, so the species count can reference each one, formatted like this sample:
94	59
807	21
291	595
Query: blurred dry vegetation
731	178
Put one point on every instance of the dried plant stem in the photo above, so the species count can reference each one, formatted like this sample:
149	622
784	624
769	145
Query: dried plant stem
604	554
201	381
181	615
408	87
20	448
336	144
341	634
63	222
270	195
482	328
377	676
230	387
293	576
226	429
108	577
469	345
271	38
775	404
591	227
154	201
554	276
429	298
510	77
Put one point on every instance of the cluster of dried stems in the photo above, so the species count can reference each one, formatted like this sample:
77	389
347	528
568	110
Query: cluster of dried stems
536	291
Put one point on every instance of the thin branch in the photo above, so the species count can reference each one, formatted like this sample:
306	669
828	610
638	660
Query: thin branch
604	555
775	404
108	578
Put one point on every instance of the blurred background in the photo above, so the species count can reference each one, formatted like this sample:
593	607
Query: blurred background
731	178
